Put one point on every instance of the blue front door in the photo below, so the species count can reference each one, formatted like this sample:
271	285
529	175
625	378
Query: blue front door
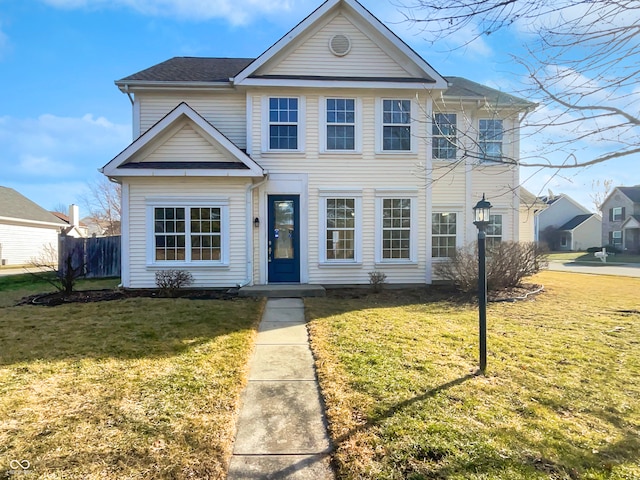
284	239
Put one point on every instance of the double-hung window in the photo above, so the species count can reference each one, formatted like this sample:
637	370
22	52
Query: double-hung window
283	123
616	214
341	229
490	140
444	136
443	234
189	234
494	231
396	228
396	125
340	124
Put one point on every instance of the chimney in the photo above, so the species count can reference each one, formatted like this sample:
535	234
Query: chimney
74	215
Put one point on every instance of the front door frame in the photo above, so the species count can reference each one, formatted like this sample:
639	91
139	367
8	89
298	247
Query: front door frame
286	270
283	184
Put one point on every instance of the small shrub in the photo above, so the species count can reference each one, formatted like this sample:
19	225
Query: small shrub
612	249
168	281
377	280
507	264
594	249
66	275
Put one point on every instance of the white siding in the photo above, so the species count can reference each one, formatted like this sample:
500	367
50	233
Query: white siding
187	145
527	224
313	56
19	244
225	110
142	274
365	172
588	234
559	213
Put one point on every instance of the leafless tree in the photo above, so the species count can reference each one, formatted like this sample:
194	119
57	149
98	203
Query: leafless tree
583	64
103	202
600	191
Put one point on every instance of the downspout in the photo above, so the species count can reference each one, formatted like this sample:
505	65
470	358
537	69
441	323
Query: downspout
126	90
249	222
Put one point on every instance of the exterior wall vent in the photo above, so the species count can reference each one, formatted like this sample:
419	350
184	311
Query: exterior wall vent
340	45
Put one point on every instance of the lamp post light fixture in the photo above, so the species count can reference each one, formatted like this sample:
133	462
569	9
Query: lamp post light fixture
482	212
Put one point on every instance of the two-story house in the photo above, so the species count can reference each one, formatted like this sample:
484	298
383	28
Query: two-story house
621	219
338	151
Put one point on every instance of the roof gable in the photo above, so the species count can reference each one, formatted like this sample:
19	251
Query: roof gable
562	198
310	40
161	150
632	193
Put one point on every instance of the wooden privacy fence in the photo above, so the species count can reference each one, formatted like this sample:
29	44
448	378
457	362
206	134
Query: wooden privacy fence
99	255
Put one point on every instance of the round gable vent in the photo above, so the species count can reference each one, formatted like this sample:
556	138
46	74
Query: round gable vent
339	45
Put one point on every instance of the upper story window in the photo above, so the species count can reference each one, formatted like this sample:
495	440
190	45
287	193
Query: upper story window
616	214
490	140
396	125
444	136
341	124
283	123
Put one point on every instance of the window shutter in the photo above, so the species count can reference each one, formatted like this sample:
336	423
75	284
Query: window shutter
610	238
611	214
623	208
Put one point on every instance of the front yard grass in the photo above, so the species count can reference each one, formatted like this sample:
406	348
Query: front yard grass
559	401
138	388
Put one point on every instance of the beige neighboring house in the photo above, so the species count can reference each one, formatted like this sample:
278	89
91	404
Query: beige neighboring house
75	227
570	225
337	152
26	230
530	208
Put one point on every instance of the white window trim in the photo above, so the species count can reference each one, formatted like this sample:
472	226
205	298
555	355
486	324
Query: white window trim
459	229
301	124
322	134
322	240
381	194
433	136
614	238
482	158
503	237
187	203
413	124
613	214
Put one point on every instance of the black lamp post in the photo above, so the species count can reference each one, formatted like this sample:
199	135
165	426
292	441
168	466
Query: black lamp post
481	215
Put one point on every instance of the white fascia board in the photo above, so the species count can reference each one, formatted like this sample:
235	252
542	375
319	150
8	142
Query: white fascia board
184	172
112	168
272	82
34	223
140	85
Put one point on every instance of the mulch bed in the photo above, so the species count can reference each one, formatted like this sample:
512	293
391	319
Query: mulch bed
88	296
426	294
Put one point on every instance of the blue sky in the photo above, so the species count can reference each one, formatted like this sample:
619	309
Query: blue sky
62	118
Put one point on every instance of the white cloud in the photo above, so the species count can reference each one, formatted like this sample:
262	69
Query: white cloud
44	166
52	146
237	12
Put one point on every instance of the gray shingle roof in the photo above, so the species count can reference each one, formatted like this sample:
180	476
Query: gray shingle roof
632	192
219	70
461	87
191	69
15	205
576	221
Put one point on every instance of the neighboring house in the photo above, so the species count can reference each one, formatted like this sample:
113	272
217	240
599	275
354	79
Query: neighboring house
75	227
27	231
101	228
621	219
530	207
567	225
579	233
337	152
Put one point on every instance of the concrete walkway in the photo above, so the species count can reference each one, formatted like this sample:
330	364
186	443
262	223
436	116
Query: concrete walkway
282	428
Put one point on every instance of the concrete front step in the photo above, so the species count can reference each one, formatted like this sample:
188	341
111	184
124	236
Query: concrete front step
283	291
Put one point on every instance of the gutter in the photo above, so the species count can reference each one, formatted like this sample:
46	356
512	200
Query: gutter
249	226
